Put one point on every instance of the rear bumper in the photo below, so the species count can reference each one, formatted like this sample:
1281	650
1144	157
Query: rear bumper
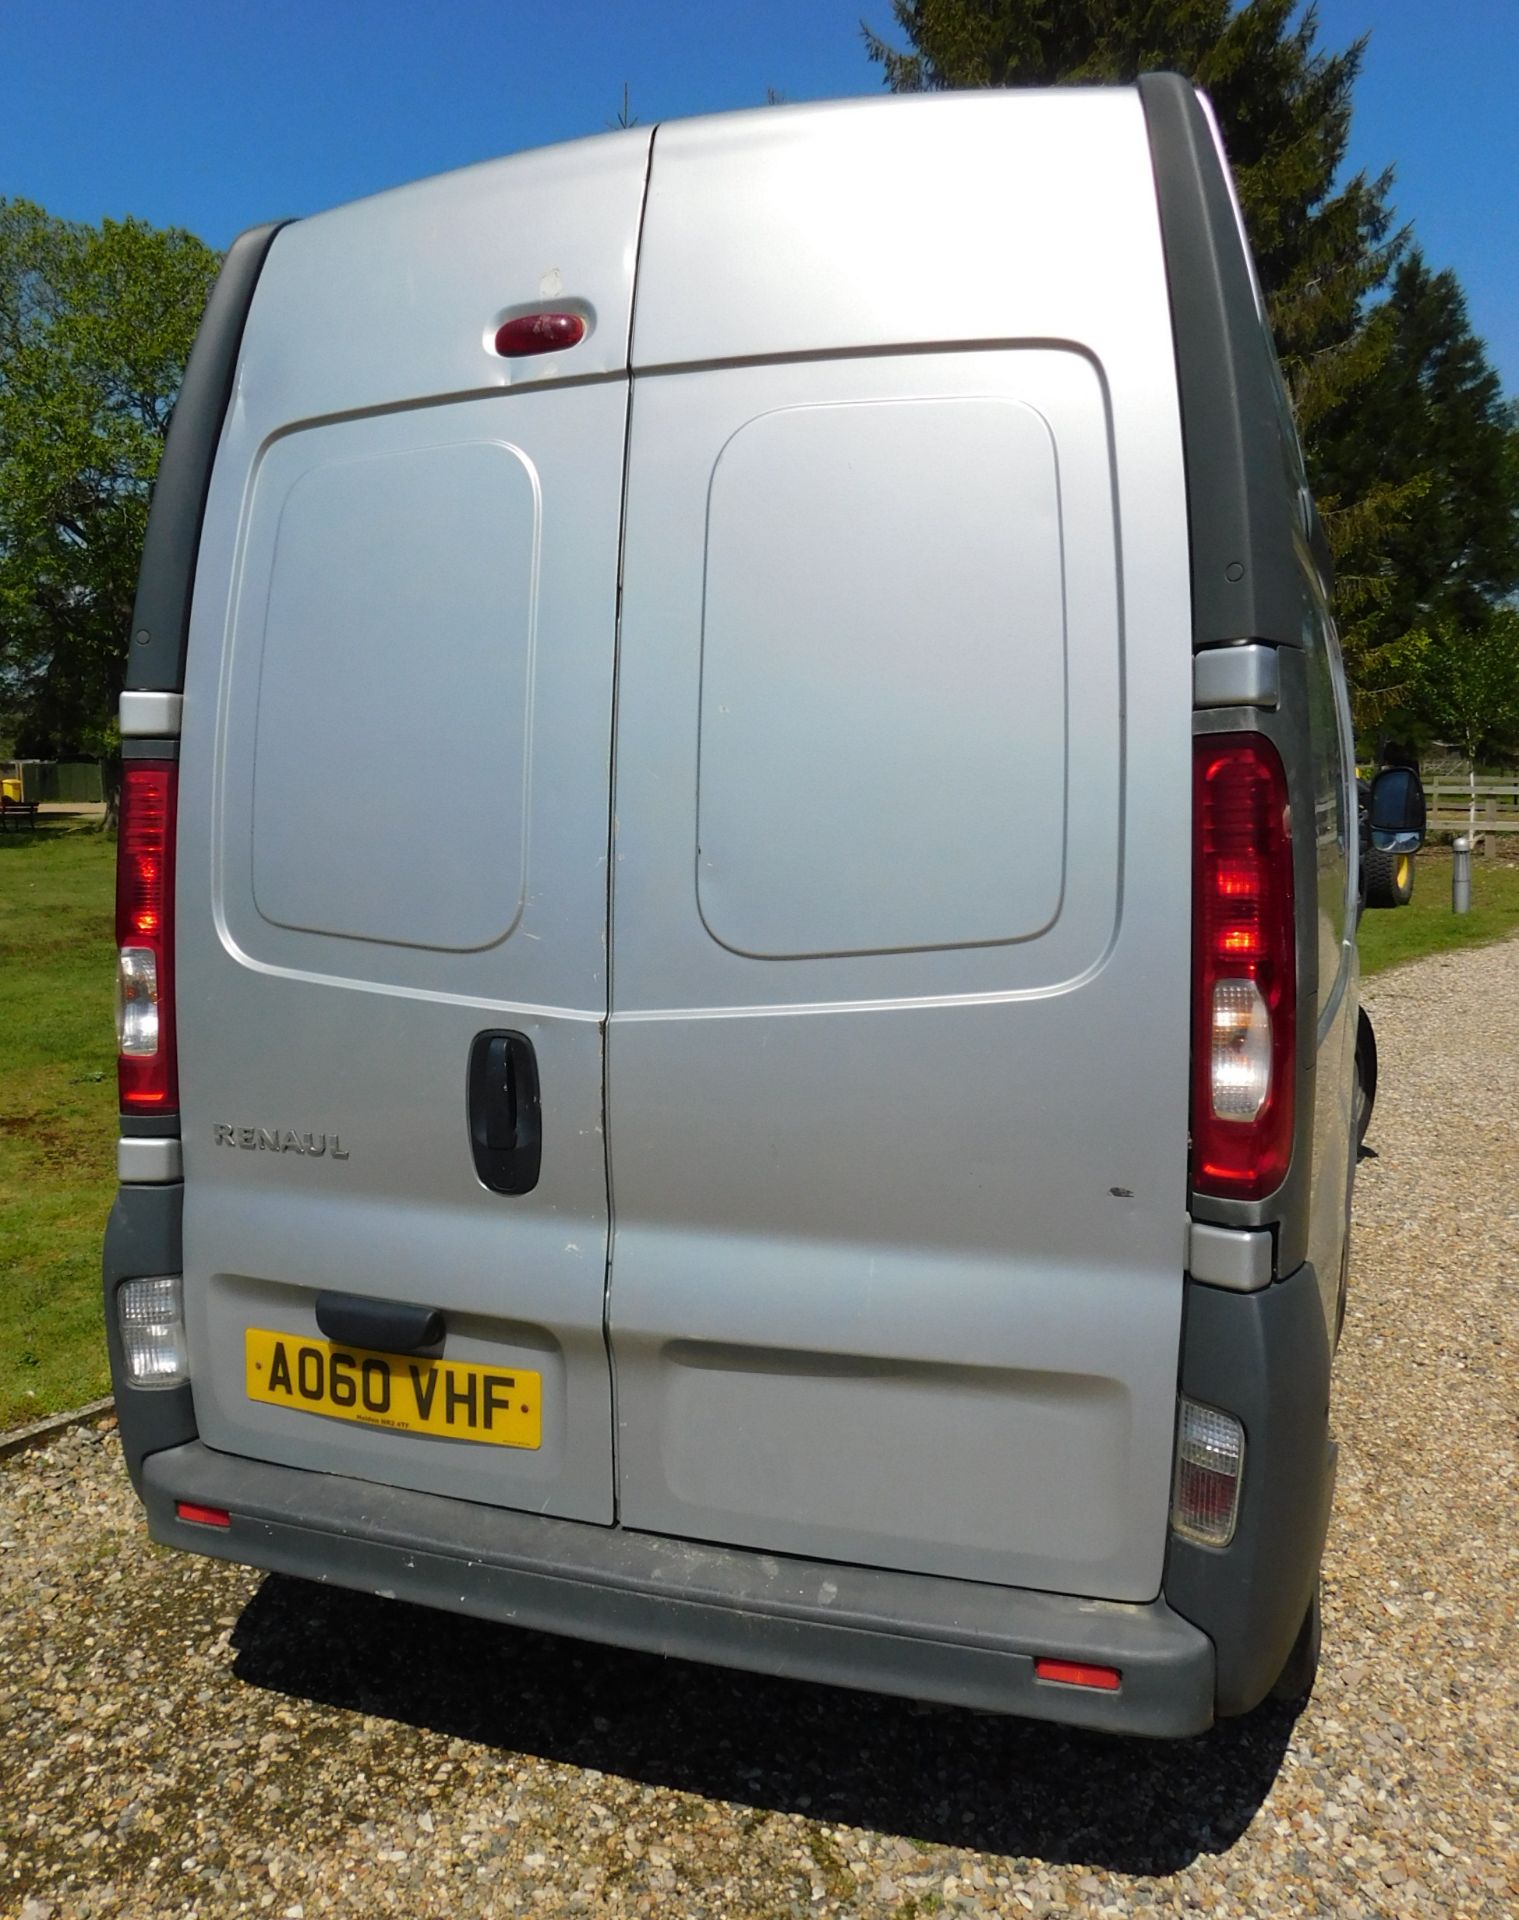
1212	1644
909	1634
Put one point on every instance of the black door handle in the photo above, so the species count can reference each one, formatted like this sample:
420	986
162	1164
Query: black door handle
505	1118
390	1326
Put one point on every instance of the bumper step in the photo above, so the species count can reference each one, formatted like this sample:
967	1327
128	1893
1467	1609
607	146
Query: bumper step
958	1642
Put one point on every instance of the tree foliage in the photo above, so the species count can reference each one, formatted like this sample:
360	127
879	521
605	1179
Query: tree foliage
1468	684
96	324
1435	415
1414	459
1283	107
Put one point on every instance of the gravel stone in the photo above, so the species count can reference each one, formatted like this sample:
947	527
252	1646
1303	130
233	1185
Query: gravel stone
181	1737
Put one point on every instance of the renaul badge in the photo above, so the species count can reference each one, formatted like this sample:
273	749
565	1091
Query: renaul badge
277	1140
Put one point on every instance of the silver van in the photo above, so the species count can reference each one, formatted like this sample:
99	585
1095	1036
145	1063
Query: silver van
737	909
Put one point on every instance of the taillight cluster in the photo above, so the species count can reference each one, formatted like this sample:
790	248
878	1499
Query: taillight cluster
1244	968
147	1070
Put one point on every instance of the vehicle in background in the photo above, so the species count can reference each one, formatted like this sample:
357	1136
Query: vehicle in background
1391	815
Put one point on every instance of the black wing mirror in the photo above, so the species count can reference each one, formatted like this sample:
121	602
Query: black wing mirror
1397	810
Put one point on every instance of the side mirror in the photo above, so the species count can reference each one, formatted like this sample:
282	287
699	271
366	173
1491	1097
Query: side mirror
1397	810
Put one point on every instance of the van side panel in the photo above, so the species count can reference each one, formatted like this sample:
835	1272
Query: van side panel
395	789
897	1058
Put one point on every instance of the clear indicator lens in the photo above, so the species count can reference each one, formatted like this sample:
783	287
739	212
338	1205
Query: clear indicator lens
150	1314
1210	1459
1240	1067
137	1001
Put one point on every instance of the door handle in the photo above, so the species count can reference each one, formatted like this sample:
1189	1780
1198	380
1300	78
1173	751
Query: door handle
505	1117
389	1326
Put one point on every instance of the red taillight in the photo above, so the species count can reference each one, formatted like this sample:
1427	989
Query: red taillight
539	333
147	1069
1244	968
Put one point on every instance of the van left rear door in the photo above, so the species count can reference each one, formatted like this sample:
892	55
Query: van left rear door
393	839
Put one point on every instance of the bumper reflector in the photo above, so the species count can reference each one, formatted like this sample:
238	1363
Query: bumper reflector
1076	1673
202	1516
151	1316
1210	1462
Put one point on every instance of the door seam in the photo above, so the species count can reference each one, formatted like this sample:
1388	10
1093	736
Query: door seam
607	941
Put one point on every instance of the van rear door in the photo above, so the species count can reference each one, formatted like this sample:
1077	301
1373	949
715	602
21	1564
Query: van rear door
897	1062
393	841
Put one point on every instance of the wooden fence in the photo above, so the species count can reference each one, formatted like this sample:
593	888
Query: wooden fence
1497	809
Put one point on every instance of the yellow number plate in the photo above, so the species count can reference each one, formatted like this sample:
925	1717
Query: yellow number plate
445	1397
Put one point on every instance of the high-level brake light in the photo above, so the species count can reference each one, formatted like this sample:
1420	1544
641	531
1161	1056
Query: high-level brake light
532	333
1244	968
147	1070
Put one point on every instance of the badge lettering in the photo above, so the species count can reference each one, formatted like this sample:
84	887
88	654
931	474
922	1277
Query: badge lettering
312	1146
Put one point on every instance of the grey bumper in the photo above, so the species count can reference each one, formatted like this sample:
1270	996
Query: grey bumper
925	1638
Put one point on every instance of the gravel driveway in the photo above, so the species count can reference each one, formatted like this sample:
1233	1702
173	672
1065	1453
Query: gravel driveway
182	1737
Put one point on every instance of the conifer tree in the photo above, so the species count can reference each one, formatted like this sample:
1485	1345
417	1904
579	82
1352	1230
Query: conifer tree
1398	409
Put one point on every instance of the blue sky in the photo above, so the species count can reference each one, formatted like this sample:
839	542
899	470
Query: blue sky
213	116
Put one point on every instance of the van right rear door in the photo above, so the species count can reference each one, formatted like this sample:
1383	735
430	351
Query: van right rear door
897	1057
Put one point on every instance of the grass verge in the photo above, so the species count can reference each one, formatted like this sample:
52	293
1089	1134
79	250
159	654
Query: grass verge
58	1124
1390	936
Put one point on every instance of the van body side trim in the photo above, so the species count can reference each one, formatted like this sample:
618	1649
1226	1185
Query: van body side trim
1264	1357
918	1636
1229	1257
145	714
1243	676
142	1162
143	1236
1248	510
166	582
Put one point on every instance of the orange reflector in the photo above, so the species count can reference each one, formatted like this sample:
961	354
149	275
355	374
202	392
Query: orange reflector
202	1516
1075	1673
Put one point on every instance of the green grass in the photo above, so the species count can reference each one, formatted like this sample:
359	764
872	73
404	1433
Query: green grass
57	1117
1392	935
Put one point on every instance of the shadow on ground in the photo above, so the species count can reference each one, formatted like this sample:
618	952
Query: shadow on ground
939	1775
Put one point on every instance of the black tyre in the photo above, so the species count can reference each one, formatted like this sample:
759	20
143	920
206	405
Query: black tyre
1389	878
1295	1681
1364	1092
